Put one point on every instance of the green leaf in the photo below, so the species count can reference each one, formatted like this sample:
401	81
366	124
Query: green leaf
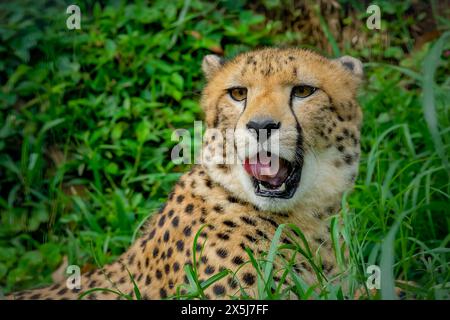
143	131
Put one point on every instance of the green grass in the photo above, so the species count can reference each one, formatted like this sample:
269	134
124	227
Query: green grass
85	124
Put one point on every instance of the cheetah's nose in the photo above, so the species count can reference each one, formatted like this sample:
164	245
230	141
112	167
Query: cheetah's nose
263	127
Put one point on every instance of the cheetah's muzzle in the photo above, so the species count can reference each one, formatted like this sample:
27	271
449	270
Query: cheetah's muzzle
281	182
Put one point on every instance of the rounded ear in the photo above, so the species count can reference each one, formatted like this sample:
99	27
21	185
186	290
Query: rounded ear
211	64
352	64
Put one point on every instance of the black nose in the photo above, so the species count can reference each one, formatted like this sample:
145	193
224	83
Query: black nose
263	124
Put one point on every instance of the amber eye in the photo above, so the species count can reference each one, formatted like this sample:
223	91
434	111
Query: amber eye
303	91
238	93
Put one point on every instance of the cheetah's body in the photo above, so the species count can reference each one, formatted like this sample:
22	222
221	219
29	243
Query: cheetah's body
219	197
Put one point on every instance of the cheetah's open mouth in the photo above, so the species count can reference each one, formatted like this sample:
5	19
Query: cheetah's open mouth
272	176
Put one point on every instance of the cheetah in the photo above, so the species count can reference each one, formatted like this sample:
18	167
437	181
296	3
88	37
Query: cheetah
304	103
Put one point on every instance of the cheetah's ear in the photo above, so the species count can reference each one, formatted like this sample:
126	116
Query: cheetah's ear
352	64
211	64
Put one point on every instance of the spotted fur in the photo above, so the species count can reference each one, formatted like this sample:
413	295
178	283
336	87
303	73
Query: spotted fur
221	197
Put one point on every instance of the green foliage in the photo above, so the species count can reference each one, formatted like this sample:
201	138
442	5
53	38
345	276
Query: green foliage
86	118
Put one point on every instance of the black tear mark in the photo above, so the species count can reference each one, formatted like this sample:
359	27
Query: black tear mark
216	119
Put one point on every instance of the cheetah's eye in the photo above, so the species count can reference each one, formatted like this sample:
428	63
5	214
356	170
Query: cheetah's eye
238	93
303	91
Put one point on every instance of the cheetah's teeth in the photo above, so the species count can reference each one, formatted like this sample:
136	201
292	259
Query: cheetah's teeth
280	188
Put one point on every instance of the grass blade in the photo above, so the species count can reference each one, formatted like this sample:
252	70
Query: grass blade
429	67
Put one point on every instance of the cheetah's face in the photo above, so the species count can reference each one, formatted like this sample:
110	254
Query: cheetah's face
296	122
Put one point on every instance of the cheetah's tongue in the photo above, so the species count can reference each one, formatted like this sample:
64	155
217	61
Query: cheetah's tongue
270	169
